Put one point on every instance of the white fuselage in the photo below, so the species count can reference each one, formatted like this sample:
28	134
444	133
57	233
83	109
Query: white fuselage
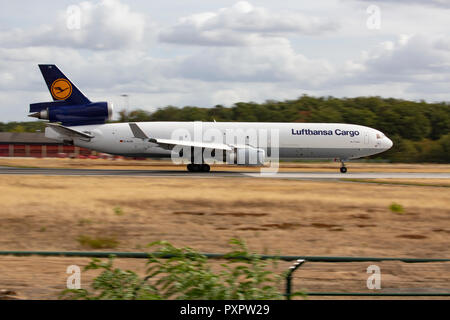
291	140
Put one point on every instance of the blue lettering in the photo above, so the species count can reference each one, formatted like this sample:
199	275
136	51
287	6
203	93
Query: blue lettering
309	132
350	133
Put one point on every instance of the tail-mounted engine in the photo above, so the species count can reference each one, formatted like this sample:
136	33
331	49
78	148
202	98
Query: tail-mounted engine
72	115
70	106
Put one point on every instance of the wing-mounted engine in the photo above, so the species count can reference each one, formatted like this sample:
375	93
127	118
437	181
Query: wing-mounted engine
247	156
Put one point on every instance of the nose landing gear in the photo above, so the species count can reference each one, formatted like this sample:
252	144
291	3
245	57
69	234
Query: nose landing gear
343	168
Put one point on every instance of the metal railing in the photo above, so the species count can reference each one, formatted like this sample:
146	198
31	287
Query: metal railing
300	260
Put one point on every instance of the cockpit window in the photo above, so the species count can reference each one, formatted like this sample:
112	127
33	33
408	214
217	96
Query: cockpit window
378	136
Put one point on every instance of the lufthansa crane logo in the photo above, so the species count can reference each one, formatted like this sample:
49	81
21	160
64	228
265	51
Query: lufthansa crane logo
61	89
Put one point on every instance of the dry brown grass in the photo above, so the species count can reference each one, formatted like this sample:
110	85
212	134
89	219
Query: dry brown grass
167	165
274	216
445	183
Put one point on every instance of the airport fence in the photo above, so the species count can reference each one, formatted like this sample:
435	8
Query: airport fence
298	263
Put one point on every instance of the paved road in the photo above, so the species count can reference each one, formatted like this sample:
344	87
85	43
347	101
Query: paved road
215	174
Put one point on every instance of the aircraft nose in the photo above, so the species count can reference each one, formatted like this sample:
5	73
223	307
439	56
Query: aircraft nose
388	143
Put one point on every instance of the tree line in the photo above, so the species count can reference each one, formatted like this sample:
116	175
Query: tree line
420	130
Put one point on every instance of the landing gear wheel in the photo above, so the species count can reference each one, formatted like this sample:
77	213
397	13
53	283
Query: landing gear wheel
343	169
192	167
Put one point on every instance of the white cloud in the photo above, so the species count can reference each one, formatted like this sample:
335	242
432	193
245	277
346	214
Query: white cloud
238	53
417	65
437	3
443	44
243	25
104	25
278	63
410	56
244	43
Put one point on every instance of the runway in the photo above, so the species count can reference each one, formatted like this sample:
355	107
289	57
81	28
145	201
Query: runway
216	174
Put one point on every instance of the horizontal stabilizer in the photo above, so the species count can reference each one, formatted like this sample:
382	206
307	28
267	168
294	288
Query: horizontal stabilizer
69	132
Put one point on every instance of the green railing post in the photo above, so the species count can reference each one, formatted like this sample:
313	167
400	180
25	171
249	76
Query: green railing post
291	270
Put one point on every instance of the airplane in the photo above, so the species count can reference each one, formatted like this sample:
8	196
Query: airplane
74	119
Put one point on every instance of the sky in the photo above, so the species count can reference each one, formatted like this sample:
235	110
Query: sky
204	52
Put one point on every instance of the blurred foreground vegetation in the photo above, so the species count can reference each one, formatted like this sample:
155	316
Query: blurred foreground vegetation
187	275
420	130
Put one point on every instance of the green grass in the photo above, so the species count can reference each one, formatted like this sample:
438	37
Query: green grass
118	211
84	221
396	208
98	243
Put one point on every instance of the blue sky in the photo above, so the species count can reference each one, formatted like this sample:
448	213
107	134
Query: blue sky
200	52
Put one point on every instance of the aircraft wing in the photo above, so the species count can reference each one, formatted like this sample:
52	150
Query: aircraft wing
170	143
69	132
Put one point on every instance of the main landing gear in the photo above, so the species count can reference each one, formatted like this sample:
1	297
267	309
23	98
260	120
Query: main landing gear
343	167
192	167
